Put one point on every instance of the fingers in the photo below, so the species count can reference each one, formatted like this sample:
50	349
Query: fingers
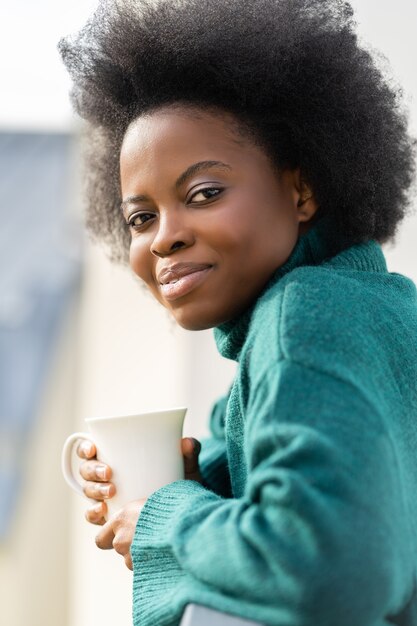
97	514
128	561
96	474
119	531
99	491
95	471
120	542
105	538
86	449
191	448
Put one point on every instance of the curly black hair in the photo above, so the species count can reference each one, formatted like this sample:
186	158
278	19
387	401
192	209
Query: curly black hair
293	74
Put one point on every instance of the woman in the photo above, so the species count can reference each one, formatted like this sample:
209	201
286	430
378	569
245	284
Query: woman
249	159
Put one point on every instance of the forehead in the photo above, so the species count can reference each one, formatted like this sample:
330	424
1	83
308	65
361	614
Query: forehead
173	138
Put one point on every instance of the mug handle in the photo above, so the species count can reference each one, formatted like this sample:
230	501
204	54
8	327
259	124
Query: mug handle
66	462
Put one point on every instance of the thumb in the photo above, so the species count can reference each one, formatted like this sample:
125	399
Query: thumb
191	448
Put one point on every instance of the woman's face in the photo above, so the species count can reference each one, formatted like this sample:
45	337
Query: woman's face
210	218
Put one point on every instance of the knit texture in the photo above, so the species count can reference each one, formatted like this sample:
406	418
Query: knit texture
308	511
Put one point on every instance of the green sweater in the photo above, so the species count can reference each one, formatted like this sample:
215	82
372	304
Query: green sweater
308	514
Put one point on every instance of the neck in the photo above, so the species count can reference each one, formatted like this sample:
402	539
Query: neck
315	245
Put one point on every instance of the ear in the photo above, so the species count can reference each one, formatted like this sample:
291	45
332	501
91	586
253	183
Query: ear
306	202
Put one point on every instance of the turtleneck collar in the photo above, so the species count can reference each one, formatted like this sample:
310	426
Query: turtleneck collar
313	248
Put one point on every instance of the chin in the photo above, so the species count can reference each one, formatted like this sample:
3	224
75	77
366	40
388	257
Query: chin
193	324
191	318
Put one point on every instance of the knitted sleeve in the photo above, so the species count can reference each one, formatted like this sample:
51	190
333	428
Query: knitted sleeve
320	535
213	457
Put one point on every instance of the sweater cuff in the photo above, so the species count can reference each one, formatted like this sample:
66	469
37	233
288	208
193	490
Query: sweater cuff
159	582
163	507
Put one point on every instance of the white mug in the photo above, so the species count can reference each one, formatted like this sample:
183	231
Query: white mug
143	451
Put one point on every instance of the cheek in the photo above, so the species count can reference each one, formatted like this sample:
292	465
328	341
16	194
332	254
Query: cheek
140	261
260	241
250	229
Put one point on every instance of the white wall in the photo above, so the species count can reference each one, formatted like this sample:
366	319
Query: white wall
390	28
34	83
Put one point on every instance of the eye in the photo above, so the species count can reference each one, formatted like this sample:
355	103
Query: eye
137	220
206	194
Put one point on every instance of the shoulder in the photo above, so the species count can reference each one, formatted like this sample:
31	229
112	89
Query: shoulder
334	319
325	312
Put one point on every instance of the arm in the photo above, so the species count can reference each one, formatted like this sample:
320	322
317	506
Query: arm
320	535
213	456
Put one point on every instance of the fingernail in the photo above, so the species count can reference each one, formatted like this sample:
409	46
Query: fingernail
86	448
104	490
101	471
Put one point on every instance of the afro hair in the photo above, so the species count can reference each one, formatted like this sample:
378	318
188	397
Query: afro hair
292	72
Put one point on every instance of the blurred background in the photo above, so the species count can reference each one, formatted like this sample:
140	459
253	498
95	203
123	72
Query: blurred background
80	337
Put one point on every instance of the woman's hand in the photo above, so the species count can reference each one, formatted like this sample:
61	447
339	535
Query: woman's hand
190	448
98	475
119	530
97	487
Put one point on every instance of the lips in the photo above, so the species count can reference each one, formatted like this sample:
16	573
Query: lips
179	279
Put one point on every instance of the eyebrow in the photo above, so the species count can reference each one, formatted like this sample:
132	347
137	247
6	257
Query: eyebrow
182	178
197	167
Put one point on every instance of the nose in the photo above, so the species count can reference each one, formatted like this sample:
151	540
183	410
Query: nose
173	233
